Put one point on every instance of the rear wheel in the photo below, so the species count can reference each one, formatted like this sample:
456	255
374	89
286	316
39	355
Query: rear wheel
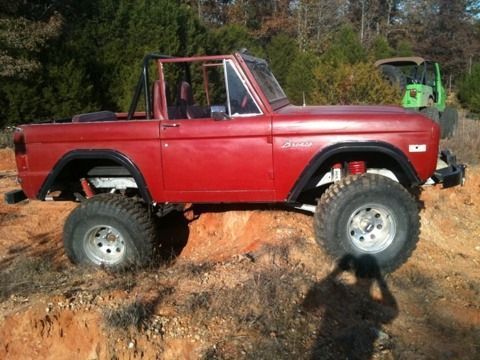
110	230
368	215
432	113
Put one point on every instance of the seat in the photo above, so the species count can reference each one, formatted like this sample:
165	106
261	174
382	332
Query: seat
184	99
157	100
187	107
95	117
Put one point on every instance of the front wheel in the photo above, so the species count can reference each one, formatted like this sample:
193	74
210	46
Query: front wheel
368	215
110	230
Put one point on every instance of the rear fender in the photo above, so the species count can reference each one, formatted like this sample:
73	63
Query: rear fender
111	155
423	93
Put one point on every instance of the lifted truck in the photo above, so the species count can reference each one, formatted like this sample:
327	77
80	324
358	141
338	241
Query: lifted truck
219	129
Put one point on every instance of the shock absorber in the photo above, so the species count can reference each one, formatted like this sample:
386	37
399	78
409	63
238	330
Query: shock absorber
356	167
87	189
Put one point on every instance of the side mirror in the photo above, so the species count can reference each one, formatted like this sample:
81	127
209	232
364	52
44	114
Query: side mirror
218	112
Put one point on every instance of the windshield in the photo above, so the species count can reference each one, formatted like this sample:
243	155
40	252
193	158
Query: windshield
264	77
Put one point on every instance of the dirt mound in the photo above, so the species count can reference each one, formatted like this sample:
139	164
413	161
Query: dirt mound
220	235
247	283
39	334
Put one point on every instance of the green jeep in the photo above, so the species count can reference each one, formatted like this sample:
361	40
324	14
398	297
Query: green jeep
421	82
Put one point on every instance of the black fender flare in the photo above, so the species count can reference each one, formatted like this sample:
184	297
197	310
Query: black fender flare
348	147
106	154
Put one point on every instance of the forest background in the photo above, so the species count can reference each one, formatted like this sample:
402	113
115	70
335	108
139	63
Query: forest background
58	58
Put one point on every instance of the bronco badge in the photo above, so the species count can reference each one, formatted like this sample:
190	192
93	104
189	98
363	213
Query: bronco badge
296	144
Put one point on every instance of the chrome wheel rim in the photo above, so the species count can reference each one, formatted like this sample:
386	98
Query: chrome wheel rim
103	244
371	228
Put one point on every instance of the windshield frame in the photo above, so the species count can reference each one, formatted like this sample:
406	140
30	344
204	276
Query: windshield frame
275	103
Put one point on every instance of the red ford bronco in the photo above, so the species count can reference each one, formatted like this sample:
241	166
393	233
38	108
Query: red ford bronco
219	129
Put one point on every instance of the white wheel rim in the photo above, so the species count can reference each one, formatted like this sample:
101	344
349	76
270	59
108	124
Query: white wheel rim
103	244
371	228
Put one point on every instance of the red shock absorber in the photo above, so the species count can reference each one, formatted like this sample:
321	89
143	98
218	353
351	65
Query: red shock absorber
356	167
87	189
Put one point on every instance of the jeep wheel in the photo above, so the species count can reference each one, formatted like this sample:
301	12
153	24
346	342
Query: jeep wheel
109	230
449	122
368	214
432	113
394	76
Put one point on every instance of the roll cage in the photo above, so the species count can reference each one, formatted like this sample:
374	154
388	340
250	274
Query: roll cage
257	91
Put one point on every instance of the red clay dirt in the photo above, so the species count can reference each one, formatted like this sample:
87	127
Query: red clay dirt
438	289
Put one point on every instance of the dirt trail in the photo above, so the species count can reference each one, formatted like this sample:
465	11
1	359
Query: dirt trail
236	288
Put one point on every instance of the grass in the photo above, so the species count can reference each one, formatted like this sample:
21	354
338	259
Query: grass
28	276
135	314
6	139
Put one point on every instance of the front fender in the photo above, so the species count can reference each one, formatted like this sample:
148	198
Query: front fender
354	147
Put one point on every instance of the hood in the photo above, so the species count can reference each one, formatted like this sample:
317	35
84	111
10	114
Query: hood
349	120
340	110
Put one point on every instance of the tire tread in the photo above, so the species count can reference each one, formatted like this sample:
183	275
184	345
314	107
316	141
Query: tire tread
356	185
132	212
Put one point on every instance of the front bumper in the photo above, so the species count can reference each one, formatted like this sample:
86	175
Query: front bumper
451	174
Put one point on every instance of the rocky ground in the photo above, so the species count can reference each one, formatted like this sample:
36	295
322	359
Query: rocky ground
240	283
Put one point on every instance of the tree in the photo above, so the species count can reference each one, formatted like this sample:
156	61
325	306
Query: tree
21	38
95	61
469	89
381	48
443	30
300	80
346	48
233	37
359	83
317	21
372	17
404	48
281	52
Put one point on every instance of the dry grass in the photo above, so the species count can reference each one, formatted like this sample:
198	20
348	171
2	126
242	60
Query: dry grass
25	277
6	139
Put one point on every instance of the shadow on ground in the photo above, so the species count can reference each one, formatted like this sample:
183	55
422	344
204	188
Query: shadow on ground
351	317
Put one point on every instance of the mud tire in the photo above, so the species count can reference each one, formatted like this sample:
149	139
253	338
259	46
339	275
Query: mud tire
346	201
394	76
449	122
85	235
432	113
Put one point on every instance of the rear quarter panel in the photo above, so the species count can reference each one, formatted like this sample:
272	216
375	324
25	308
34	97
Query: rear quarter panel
48	143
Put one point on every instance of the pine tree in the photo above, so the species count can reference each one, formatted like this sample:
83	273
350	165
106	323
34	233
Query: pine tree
281	52
22	37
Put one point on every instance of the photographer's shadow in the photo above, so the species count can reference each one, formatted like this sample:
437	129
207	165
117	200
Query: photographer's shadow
352	315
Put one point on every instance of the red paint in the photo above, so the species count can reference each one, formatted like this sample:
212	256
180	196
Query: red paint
249	159
356	167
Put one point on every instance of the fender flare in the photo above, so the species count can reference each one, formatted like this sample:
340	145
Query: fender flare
104	154
347	147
